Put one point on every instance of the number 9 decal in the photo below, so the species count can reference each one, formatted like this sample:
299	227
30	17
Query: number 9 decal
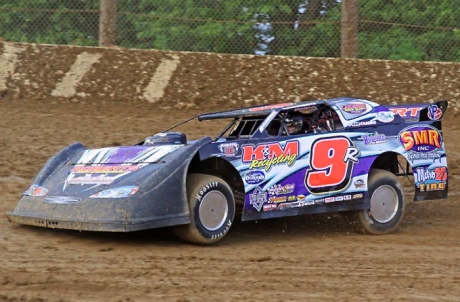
331	163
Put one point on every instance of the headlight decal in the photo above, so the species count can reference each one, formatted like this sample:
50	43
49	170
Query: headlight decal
120	192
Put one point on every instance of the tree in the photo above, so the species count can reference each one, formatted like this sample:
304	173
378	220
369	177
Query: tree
286	27
390	29
411	30
50	21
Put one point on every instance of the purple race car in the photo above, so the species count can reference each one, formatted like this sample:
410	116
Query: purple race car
271	161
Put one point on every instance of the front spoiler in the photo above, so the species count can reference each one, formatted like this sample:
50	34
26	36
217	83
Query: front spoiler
97	225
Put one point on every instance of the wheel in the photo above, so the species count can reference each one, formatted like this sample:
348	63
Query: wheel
387	204
212	209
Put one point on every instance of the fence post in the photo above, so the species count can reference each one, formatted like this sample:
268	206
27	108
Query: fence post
349	34
107	18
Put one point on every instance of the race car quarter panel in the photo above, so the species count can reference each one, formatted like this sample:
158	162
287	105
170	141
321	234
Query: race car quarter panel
423	147
328	172
112	189
314	173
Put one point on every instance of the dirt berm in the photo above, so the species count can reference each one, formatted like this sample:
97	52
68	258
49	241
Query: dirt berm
181	79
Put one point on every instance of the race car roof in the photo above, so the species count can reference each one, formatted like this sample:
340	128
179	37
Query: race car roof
261	110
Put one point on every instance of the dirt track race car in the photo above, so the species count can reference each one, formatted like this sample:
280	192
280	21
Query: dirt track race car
336	155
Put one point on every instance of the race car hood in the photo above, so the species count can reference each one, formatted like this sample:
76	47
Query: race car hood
93	170
65	192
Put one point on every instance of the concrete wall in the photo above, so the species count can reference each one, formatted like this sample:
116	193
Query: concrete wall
180	79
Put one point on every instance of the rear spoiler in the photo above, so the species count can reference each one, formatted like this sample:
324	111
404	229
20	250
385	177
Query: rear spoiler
420	112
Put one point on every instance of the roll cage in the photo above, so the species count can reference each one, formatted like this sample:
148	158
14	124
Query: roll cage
317	119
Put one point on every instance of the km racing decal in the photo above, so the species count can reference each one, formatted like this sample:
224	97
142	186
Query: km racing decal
421	142
265	156
331	164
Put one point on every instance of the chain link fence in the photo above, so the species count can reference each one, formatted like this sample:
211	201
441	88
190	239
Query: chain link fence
419	30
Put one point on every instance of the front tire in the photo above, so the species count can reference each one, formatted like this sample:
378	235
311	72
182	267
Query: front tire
387	204
212	210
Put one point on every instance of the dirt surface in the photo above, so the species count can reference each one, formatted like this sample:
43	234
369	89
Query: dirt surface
308	258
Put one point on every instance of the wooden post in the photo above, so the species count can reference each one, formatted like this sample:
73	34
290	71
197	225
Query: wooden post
107	19
349	34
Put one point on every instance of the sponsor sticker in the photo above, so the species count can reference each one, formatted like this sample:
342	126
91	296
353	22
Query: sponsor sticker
257	198
319	201
359	183
254	177
406	112
364	123
292	198
433	179
104	166
338	198
329	199
90	180
354	107
421	142
284	206
109	169
270	207
374	138
434	112
229	149
265	156
281	189
385	116
277	199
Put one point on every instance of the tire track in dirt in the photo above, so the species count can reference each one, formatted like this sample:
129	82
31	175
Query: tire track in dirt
307	258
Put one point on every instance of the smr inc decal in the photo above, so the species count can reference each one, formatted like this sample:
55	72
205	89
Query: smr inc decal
421	142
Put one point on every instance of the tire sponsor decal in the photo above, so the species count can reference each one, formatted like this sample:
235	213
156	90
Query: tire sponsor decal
433	179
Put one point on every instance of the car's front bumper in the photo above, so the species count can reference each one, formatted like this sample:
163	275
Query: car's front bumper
96	225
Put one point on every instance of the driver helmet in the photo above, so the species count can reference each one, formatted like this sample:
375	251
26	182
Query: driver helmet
294	122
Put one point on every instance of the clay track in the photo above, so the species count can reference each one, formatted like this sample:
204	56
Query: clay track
309	258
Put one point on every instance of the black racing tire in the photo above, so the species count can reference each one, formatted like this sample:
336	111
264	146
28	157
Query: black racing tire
212	210
387	204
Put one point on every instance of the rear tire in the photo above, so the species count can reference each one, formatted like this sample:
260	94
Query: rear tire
212	210
387	204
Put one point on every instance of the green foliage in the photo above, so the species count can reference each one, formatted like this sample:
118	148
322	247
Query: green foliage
425	30
46	21
390	29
